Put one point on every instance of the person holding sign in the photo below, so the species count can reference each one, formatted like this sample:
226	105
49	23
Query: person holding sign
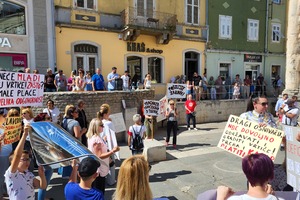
259	170
19	181
171	115
190	106
259	113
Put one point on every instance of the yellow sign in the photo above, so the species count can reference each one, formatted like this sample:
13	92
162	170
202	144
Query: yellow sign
242	137
12	130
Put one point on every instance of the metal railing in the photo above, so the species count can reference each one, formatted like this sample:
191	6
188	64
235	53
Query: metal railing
148	19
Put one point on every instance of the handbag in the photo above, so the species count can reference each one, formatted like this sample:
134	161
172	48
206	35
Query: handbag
194	113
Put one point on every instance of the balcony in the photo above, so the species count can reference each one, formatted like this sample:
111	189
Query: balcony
159	24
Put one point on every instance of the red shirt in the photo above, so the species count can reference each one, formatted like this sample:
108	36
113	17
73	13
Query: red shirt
190	104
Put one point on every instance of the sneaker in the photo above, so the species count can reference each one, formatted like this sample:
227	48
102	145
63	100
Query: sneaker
189	129
195	129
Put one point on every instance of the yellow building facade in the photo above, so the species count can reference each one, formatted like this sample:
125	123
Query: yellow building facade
164	38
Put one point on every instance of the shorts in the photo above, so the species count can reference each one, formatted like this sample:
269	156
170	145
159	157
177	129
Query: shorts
188	91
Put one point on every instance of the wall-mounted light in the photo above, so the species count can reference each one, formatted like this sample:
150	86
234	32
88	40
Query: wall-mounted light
120	36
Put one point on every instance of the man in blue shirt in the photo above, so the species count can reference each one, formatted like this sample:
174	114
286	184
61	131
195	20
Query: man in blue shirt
98	81
87	171
111	79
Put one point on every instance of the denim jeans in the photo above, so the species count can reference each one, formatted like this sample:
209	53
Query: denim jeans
48	175
188	118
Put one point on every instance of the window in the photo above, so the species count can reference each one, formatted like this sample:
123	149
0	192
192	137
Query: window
85	4
154	68
225	27
145	8
12	18
192	11
277	1
276	32
253	28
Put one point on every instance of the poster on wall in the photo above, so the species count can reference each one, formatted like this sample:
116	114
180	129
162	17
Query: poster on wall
21	89
176	91
293	156
163	108
151	107
242	137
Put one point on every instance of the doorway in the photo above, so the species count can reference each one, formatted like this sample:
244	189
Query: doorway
191	64
134	66
86	57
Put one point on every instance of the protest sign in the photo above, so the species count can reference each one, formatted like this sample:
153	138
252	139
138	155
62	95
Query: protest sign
111	140
163	108
293	156
52	145
176	91
12	130
118	122
242	137
151	107
21	89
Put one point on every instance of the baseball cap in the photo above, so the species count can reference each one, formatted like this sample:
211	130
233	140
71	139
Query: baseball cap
88	166
113	68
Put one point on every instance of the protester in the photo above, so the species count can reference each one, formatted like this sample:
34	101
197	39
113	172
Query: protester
133	180
278	84
125	77
279	104
147	81
49	81
204	87
111	79
109	132
52	111
247	84
290	113
19	181
189	88
260	86
71	81
196	86
5	151
80	81
212	88
171	115
259	112
48	170
82	119
259	170
98	83
236	91
60	81
87	171
219	87
136	134
97	146
89	82
190	106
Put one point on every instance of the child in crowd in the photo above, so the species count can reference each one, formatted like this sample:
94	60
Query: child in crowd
236	91
88	80
19	181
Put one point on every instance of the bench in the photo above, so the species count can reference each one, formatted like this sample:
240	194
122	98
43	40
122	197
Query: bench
154	150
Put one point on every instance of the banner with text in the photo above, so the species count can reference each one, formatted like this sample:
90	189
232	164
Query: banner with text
242	137
118	122
12	130
293	156
21	89
163	108
176	91
151	107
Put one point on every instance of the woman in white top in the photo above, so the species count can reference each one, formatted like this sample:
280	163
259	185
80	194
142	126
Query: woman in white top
259	170
80	81
136	130
52	111
109	133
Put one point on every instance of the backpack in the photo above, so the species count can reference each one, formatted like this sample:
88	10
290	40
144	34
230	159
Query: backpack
137	141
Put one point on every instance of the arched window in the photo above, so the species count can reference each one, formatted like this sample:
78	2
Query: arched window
86	57
154	68
12	18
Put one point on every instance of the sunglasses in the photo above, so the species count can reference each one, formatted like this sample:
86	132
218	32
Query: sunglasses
264	103
25	159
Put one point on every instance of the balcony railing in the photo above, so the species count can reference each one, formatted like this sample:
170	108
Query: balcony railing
132	17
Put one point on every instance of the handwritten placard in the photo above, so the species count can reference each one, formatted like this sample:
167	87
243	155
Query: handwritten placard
176	91
12	130
118	121
163	108
293	156
242	137
151	107
21	89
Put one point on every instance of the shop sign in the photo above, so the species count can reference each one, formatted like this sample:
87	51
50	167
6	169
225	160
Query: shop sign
4	42
18	61
252	58
141	47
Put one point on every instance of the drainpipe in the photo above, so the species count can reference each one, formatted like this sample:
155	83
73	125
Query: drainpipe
266	37
51	34
207	34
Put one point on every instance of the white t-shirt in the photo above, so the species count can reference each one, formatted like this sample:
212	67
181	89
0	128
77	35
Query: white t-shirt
294	120
19	185
54	113
125	81
247	197
136	129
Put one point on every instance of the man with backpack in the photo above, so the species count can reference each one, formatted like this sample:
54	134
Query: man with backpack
136	134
